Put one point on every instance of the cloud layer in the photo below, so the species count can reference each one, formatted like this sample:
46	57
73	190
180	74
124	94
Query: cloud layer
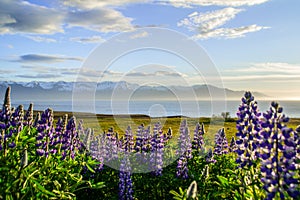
43	58
20	16
232	3
208	25
23	17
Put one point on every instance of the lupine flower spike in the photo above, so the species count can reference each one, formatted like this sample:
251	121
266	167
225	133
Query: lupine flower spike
221	143
278	155
184	152
198	142
248	126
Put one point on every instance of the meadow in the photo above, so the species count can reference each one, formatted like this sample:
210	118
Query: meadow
55	155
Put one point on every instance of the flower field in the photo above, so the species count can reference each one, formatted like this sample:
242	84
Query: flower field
43	158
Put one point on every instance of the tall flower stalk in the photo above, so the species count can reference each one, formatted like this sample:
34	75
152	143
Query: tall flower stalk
221	143
278	155
157	150
198	141
125	182
248	126
184	152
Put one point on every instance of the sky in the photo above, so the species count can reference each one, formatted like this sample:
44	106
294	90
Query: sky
253	44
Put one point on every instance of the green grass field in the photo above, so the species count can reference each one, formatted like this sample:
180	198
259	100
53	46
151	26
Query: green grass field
101	123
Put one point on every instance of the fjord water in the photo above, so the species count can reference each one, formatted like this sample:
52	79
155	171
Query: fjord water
162	108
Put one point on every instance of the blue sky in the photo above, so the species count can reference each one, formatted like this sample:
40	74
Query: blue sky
254	44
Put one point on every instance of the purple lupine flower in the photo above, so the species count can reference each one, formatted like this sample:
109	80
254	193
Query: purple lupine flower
128	145
37	119
221	144
184	151
184	140
182	168
17	117
248	126
98	149
232	146
5	114
146	142
12	145
278	155
198	142
139	139
28	118
209	158
111	146
157	150
60	129
70	140
297	141
125	182
45	132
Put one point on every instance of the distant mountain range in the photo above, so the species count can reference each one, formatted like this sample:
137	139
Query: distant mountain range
104	90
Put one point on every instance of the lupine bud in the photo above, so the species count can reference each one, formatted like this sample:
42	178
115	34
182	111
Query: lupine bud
7	99
24	159
28	118
192	190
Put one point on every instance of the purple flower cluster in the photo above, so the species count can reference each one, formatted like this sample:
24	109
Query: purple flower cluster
128	143
11	123
62	139
209	158
125	182
221	143
45	137
278	155
112	146
184	151
297	141
157	150
198	141
248	126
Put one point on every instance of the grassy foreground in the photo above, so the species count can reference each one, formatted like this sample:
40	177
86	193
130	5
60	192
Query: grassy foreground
101	123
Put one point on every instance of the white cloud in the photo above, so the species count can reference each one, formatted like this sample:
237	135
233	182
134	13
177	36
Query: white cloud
44	58
229	33
205	22
270	68
232	3
92	39
41	39
142	34
208	25
159	73
100	19
91	4
21	16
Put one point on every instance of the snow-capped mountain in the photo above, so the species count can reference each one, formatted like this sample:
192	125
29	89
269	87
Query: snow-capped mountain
63	90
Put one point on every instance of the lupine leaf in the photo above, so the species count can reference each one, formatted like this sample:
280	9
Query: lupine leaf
42	189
